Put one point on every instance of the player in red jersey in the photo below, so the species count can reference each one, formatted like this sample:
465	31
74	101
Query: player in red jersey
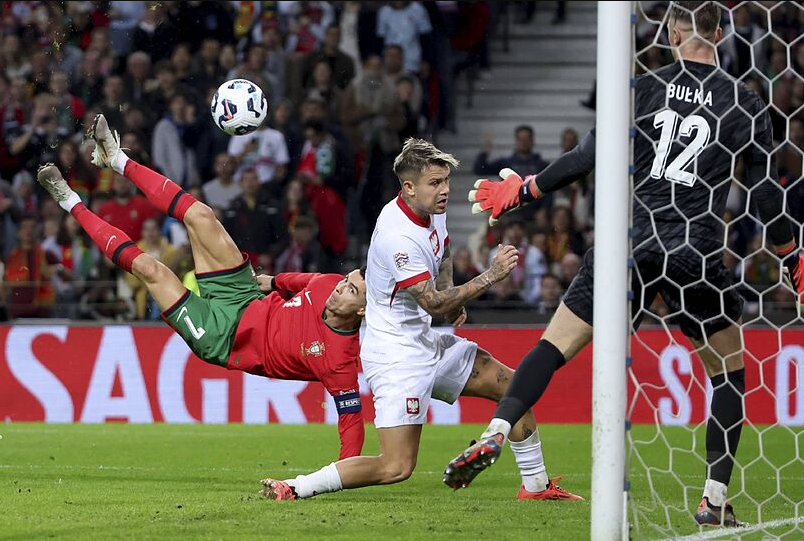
310	333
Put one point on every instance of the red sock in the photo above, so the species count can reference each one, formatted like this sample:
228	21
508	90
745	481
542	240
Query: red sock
115	244
162	192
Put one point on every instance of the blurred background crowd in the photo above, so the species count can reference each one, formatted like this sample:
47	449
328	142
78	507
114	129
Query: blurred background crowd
346	83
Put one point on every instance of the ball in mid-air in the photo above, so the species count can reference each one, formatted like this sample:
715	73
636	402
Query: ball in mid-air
239	107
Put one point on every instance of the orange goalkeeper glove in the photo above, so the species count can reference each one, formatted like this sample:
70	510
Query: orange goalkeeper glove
501	197
793	273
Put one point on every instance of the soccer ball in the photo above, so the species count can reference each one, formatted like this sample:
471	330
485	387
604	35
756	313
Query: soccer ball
238	107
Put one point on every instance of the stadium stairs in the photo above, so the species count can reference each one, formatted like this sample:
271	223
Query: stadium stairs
540	81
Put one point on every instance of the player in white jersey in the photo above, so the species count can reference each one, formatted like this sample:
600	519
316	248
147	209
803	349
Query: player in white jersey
407	362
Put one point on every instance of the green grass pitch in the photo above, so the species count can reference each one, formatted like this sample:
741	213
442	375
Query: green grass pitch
120	481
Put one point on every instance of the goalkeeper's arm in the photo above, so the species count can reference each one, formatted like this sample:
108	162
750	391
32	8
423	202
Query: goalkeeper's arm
513	191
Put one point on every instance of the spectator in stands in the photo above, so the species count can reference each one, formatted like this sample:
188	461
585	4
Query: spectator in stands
308	25
342	66
523	158
114	96
393	63
535	268
275	60
321	86
264	151
182	62
284	122
126	211
349	43
36	142
324	169
15	113
415	121
563	238
81	179
64	56
58	242
372	118
101	44
136	78
550	297
25	198
294	204
88	85
40	72
198	20
569	267
10	214
124	18
170	153
254	220
403	24
207	71
463	268
223	189
303	253
27	290
155	34
13	61
166	86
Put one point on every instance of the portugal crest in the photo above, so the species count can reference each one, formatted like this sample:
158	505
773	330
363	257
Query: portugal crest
316	349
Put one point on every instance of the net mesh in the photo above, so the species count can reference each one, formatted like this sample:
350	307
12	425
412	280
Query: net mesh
762	47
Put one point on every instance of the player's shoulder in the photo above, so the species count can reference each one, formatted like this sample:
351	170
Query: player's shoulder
324	280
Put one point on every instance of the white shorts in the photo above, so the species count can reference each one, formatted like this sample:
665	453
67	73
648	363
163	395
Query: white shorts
402	390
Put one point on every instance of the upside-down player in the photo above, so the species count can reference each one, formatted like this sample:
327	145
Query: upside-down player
311	337
407	363
693	120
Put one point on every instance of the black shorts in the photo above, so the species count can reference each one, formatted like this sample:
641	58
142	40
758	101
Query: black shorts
700	307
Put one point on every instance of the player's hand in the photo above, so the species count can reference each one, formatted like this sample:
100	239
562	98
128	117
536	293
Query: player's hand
793	271
265	281
500	197
503	263
457	318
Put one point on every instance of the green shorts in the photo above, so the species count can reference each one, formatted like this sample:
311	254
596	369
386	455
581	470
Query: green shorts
208	323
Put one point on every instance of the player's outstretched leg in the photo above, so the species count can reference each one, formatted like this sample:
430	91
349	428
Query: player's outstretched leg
163	285
399	447
490	379
565	336
722	357
213	248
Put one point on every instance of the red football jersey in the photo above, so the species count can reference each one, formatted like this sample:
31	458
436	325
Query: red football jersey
289	339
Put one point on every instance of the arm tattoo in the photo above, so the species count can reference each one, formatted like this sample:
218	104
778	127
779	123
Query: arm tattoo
439	303
444	280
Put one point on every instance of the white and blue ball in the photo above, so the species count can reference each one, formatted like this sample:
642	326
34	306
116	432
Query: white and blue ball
239	107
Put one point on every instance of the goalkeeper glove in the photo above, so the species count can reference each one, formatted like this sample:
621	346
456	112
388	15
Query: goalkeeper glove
793	273
501	197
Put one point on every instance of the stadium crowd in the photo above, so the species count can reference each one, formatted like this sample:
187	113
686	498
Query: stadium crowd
347	82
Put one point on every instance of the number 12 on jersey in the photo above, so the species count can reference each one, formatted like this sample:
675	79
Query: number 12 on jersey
667	120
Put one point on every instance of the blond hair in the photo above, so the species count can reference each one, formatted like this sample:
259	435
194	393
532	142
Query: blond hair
417	155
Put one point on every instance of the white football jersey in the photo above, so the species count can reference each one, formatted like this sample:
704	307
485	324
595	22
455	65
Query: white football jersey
404	250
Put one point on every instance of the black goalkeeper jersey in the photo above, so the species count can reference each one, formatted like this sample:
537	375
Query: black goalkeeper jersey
693	122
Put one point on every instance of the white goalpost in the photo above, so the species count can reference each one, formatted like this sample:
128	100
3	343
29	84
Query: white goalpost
611	320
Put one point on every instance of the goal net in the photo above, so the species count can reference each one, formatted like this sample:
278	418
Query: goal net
762	47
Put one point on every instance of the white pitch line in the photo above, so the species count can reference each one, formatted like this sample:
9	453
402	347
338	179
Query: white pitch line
724	532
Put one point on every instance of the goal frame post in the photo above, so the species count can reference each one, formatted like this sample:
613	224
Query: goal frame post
611	320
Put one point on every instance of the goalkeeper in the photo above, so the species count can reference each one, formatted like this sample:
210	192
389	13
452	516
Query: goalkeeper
687	114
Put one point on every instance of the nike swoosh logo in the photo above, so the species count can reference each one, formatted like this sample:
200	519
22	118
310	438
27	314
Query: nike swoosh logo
182	311
110	242
307	294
